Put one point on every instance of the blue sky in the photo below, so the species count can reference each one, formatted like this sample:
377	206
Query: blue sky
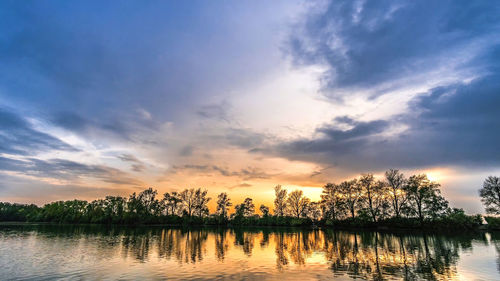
109	98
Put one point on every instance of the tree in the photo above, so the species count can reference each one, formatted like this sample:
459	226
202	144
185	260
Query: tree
297	203
424	197
249	207
264	210
171	203
380	201
396	181
313	211
279	201
114	208
331	201
200	202
375	195
490	195
223	204
352	194
188	200
148	202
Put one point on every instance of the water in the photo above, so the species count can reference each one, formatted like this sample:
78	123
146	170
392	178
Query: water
44	252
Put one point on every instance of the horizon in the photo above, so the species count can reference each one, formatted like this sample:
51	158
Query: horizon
99	99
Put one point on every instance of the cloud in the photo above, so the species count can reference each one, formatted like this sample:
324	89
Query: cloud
137	165
16	189
248	173
367	44
61	169
455	126
219	112
17	136
384	47
241	185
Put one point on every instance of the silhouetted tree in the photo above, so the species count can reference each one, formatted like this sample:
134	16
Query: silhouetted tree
352	195
114	208
264	210
188	200
313	211
148	201
490	195
223	204
200	202
331	201
172	202
279	201
375	196
396	181
424	197
249	207
297	203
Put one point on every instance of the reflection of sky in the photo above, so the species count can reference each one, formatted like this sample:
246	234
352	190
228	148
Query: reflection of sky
102	99
157	253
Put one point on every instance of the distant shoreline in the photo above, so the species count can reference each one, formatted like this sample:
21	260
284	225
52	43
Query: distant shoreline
428	228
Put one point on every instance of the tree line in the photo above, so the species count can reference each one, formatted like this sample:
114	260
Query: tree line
394	201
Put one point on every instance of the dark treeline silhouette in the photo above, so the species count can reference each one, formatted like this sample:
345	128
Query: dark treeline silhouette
396	201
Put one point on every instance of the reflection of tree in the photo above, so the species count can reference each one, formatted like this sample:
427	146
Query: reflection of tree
296	246
245	239
187	247
363	255
495	239
372	255
221	244
281	247
137	245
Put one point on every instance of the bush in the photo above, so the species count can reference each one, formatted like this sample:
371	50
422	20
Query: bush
493	222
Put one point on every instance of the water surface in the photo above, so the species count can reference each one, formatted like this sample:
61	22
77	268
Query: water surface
47	252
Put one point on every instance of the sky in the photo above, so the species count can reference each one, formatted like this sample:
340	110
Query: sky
109	98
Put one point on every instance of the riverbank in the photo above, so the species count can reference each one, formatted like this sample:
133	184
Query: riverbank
467	223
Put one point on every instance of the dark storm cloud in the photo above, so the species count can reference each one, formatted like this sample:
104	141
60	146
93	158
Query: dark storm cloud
367	43
66	170
454	125
17	136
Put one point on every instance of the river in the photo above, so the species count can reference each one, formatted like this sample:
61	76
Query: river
69	252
